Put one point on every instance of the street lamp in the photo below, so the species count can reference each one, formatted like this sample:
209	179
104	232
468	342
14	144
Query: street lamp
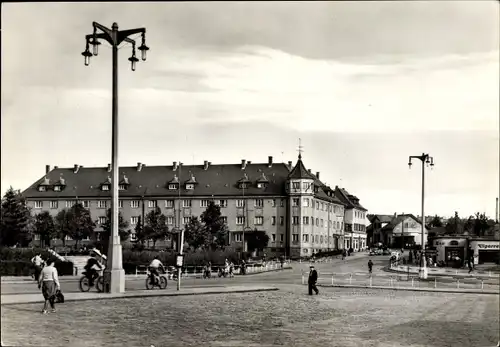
114	274
429	161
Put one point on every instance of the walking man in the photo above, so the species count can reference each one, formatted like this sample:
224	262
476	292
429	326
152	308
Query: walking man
370	266
313	278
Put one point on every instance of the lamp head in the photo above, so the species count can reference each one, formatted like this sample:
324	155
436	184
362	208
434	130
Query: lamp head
133	61
143	48
86	54
95	45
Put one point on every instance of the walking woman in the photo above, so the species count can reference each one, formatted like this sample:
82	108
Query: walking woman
49	283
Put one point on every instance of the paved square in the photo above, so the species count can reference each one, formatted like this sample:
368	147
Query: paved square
337	317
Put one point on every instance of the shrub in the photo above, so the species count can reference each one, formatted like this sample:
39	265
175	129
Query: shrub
25	268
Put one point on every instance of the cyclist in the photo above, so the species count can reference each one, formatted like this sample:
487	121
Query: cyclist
153	268
91	272
38	263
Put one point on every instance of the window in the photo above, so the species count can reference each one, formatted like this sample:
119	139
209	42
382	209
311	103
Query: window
273	220
259	202
406	225
240	203
105	187
240	220
102	220
41	189
86	203
152	203
38	204
273	236
134	220
322	206
261	185
169	203
305	220
321	239
37	237
317	222
53	204
295	202
134	203
121	187
223	219
223	203
189	186
282	202
306	250
133	237
295	220
186	203
237	237
172	186
120	203
258	220
295	238
185	220
68	238
282	220
57	188
170	220
306	186
101	204
69	203
322	223
306	202
296	185
203	203
305	238
273	203
316	239
317	205
281	237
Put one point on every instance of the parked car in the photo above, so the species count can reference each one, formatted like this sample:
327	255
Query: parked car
386	252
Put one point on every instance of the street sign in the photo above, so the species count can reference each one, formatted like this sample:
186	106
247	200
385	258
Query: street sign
179	260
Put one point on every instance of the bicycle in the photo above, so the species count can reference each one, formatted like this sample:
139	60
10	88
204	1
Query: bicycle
160	282
85	282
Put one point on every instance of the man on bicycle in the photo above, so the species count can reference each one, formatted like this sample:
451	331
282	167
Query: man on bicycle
153	268
92	273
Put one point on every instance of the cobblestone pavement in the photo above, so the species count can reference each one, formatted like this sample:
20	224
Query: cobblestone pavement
289	317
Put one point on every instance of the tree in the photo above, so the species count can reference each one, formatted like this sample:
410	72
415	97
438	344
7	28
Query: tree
436	222
123	231
480	224
454	225
16	217
81	224
196	235
214	225
257	240
156	226
45	228
62	224
140	235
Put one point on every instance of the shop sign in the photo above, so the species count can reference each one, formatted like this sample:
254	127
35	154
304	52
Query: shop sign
486	246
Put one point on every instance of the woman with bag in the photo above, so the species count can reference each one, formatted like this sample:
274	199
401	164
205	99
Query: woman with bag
49	283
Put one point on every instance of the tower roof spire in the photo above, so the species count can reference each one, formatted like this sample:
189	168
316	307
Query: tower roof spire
300	149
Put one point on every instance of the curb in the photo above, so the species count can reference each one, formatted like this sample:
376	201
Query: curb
263	272
151	294
487	292
464	275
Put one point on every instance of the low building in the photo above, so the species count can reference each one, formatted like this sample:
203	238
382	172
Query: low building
300	214
485	250
398	231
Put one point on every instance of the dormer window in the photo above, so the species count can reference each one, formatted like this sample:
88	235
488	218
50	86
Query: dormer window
57	188
172	186
189	186
262	181
105	187
42	189
244	182
243	185
122	187
261	185
190	183
124	183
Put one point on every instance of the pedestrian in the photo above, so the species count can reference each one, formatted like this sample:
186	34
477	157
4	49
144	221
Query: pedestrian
313	278
49	283
38	264
370	266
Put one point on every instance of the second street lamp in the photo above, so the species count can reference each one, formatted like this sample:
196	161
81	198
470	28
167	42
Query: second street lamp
114	275
425	159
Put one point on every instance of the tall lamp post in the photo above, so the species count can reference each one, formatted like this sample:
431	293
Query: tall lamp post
425	159
114	274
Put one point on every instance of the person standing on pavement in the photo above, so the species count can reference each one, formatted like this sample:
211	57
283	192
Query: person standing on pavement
370	266
38	264
49	283
313	278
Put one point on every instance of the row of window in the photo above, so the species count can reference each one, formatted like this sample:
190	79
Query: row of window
360	215
320	206
317	238
319	222
154	203
238	237
355	227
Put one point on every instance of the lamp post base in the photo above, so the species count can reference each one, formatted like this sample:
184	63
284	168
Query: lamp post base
422	273
114	281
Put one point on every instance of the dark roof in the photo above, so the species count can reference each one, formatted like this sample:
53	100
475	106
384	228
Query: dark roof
351	201
300	171
382	218
217	180
400	218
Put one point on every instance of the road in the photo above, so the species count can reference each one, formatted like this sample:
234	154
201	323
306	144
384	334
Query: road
357	264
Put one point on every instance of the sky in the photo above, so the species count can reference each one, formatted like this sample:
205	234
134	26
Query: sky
363	84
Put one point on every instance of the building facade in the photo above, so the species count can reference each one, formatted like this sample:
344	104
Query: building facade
299	213
398	231
354	219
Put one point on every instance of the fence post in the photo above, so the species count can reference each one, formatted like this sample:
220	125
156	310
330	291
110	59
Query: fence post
392	279
412	282
332	279
303	279
482	284
371	281
136	271
458	283
350	278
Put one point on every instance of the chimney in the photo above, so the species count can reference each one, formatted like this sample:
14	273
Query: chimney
270	161
109	167
309	171
317	174
175	166
205	165
243	164
47	169
76	168
139	167
290	164
209	163
56	167
249	162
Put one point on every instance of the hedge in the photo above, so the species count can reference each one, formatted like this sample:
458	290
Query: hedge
17	262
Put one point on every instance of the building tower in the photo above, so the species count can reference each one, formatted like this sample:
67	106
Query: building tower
299	186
